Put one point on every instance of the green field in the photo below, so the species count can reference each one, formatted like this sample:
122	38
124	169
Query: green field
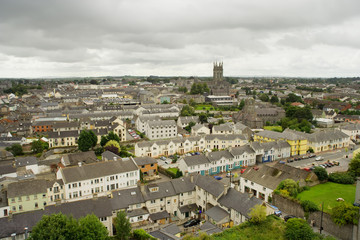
204	107
328	193
272	228
273	128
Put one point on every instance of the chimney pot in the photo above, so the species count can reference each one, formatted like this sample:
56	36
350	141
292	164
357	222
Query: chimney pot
80	164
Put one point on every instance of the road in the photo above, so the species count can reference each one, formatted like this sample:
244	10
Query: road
336	155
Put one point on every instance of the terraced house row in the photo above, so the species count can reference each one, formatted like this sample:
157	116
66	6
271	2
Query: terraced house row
234	158
190	144
319	141
151	206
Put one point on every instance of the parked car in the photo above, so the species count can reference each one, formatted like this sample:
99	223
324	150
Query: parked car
290	160
319	158
163	158
287	217
191	222
229	174
197	153
336	163
218	177
312	155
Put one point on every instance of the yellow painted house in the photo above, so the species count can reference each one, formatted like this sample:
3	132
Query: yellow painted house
27	195
298	143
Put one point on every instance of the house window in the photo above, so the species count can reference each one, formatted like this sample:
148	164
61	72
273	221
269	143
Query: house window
20	208
153	201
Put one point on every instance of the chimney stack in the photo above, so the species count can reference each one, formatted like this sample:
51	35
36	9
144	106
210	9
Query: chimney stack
115	158
191	178
80	164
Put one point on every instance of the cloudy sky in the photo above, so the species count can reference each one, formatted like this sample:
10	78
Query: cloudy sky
306	38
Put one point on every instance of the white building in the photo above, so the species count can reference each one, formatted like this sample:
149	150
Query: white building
160	129
98	179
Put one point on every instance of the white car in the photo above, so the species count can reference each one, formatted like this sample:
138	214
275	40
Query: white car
319	158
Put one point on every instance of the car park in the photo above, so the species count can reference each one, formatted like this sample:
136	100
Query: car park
191	222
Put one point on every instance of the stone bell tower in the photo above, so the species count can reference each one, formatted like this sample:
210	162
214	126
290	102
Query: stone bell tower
218	72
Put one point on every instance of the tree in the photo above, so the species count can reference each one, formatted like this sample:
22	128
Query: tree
274	99
188	127
94	81
354	165
203	117
122	226
242	104
264	97
187	111
257	214
87	140
38	146
112	146
15	149
309	206
321	173
293	98
289	186
344	213
56	226
92	228
298	229
111	136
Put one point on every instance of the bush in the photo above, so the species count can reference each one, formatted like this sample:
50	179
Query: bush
309	206
321	173
297	229
345	213
288	187
343	178
140	234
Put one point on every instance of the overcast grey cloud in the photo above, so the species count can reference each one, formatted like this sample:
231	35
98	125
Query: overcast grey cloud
303	38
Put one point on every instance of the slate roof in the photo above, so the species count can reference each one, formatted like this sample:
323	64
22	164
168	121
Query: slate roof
236	151
27	187
7	169
159	215
225	137
238	201
161	123
166	189
209	228
85	157
123	198
100	207
222	127
107	155
351	127
217	213
144	160
183	185
172	229
271	176
196	160
96	170
63	134
137	212
327	135
159	234
209	184
188	208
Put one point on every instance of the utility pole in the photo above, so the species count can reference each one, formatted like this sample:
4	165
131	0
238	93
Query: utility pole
321	219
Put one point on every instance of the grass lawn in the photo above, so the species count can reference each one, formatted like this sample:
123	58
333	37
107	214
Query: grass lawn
174	170
273	128
328	193
202	106
272	228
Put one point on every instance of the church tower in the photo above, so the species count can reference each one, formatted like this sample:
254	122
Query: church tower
218	72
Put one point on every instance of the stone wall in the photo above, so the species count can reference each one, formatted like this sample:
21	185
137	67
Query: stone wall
287	206
344	232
